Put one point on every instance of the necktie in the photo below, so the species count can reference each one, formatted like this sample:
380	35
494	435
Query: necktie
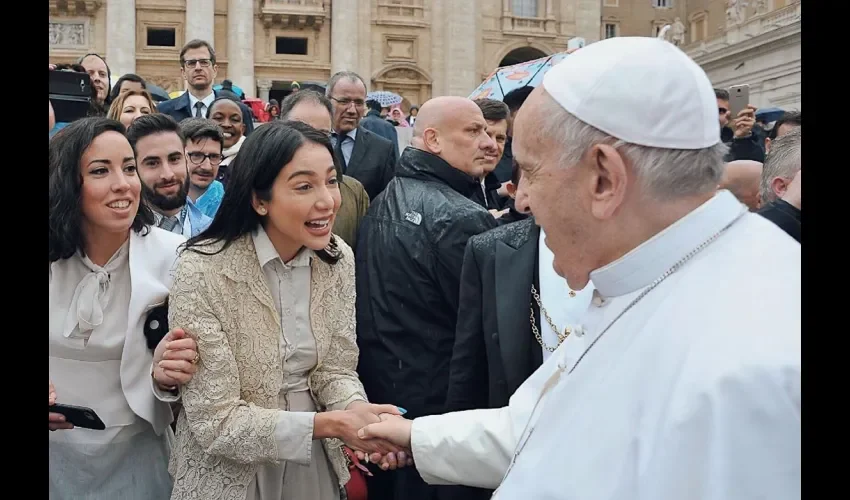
198	106
339	140
168	223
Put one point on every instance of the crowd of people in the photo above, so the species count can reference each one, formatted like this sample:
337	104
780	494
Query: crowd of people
572	292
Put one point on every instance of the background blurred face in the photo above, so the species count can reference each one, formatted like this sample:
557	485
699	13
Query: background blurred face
555	193
202	174
110	190
723	112
99	75
498	132
304	201
162	169
463	141
134	107
128	85
228	115
313	114
347	114
198	69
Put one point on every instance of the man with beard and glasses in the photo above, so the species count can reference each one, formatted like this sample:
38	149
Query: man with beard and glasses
204	147
198	67
163	169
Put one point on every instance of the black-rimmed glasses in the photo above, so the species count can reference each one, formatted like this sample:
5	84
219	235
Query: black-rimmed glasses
205	63
197	157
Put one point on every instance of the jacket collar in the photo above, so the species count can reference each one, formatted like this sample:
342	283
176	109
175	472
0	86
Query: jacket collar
418	164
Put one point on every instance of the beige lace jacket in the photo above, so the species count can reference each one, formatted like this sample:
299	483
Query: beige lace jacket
230	407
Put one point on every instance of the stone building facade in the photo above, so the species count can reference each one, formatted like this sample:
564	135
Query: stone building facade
417	48
754	42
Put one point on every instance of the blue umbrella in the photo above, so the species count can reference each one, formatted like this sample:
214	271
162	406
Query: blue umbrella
768	115
508	78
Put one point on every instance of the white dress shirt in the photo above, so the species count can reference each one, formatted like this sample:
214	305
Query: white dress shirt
348	146
694	393
565	311
206	102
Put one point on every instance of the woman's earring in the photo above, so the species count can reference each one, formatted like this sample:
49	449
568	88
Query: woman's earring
262	210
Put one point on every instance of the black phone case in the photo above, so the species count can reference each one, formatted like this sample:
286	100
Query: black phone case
156	325
79	416
70	93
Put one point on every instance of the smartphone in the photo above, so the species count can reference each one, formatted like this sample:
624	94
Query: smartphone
739	99
79	416
70	93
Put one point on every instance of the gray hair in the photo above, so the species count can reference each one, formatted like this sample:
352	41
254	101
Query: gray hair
665	173
339	75
784	160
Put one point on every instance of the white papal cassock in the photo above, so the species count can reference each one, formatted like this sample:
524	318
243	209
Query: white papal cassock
692	394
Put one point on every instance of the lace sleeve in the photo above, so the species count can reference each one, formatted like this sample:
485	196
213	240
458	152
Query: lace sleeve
219	419
335	381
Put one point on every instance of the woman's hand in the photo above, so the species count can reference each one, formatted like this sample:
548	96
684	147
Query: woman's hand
56	421
345	424
389	461
175	359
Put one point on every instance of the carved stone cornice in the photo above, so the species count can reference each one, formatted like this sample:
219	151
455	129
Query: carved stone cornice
74	7
299	14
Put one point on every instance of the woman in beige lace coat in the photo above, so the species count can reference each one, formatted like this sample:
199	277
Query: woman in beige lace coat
268	293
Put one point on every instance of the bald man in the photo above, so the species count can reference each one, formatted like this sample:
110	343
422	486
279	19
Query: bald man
742	178
410	253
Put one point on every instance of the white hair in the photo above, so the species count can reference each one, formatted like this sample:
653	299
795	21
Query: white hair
664	173
784	160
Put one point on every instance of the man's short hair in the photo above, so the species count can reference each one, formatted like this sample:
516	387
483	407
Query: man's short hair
339	75
493	110
196	44
721	94
195	129
295	98
784	160
791	118
155	123
516	97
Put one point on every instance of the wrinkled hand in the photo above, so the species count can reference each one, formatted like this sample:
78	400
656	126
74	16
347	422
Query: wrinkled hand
393	429
56	421
173	359
388	461
743	125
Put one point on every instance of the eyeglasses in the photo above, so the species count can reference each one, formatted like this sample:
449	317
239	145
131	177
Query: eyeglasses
197	157
722	111
205	63
344	102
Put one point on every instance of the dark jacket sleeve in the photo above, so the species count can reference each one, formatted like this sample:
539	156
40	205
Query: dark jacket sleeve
389	166
451	248
468	387
745	148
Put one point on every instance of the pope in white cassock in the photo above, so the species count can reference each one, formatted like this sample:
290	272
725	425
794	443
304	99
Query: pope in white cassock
685	383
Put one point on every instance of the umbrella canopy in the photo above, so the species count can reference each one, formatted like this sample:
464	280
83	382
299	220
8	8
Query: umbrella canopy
236	89
158	93
768	115
384	98
509	78
176	93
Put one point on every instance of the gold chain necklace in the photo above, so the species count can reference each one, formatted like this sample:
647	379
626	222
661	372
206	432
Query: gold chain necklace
561	336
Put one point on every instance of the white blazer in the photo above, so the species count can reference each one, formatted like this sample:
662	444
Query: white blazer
152	259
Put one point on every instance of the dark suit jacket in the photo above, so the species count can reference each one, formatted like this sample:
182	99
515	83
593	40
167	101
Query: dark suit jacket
372	162
495	350
785	215
374	123
179	109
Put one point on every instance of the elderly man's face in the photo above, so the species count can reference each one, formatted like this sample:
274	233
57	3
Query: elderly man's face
556	193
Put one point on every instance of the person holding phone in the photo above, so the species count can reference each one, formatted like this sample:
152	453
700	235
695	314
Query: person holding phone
737	119
108	270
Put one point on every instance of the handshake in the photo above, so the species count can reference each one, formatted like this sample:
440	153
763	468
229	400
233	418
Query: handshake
377	433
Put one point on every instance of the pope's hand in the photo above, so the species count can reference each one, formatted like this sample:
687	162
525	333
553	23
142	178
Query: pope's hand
175	359
391	428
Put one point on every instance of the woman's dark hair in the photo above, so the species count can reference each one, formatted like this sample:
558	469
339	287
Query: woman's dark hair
129	77
259	162
219	99
65	214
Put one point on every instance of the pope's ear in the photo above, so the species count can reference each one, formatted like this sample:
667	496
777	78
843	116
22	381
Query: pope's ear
608	179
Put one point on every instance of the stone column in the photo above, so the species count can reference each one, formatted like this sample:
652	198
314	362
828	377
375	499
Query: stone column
461	44
240	45
121	36
344	39
264	86
200	20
